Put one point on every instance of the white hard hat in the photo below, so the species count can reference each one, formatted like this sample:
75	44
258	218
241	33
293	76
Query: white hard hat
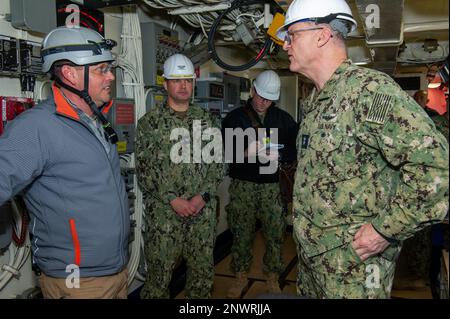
178	66
319	11
267	85
81	46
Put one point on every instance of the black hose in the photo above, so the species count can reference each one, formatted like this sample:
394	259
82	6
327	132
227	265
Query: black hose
212	47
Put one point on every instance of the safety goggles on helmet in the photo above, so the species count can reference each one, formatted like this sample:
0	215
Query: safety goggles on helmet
290	34
106	68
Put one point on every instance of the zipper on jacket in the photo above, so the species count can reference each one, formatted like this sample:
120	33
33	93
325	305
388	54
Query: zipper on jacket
76	242
126	214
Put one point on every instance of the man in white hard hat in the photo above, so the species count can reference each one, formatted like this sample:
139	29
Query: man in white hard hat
253	194
62	155
180	199
372	168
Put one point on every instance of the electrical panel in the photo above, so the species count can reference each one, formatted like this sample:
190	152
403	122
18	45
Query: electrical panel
232	90
30	57
11	107
122	118
158	43
210	95
20	58
9	56
209	90
220	93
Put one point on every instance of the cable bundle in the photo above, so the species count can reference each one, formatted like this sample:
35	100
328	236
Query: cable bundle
130	64
18	252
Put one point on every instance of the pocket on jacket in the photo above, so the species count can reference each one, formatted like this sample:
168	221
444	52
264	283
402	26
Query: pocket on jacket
341	260
350	264
325	142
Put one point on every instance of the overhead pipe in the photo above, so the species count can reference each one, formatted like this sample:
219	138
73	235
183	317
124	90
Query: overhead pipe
425	26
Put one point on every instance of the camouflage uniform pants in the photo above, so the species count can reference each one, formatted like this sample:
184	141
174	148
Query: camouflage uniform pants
340	273
248	202
169	237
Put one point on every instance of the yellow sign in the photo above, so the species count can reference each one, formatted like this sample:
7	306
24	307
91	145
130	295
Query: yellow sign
159	80
121	146
277	22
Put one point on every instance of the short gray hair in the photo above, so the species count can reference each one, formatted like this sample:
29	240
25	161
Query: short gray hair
341	27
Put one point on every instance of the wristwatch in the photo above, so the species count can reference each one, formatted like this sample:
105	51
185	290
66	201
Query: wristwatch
205	196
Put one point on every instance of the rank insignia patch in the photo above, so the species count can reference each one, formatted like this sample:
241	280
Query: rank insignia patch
380	108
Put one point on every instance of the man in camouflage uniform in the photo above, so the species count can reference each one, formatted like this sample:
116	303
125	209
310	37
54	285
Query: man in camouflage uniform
253	194
179	196
372	168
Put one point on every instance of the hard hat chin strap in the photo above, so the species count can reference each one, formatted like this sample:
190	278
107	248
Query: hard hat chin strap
109	131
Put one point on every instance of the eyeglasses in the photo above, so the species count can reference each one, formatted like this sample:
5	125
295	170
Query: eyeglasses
104	68
289	34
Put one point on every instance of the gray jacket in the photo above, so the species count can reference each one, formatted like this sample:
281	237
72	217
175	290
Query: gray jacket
72	188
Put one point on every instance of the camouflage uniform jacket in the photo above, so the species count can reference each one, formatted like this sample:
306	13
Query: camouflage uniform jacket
367	153
158	176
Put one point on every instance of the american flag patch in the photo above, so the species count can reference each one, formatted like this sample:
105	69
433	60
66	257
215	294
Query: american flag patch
380	108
